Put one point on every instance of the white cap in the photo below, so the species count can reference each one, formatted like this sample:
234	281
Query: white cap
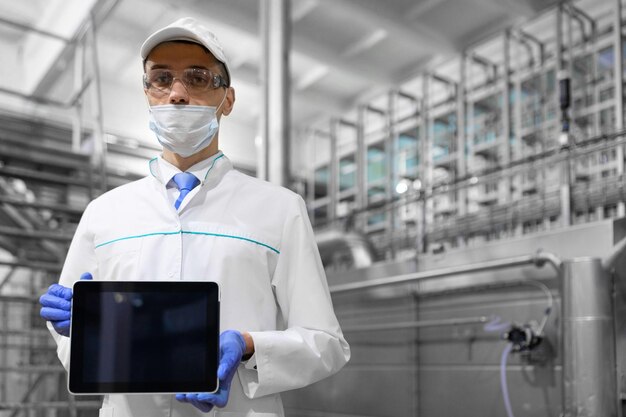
186	29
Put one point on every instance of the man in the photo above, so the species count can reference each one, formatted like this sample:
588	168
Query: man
194	217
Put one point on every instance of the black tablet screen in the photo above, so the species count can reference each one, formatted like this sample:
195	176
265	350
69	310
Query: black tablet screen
144	337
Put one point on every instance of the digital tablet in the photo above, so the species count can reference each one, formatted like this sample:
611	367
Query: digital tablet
136	337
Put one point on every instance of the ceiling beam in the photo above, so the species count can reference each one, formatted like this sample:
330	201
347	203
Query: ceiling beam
422	7
300	44
41	54
382	17
337	62
515	8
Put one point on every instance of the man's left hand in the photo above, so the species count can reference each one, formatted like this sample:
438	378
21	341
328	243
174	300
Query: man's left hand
232	348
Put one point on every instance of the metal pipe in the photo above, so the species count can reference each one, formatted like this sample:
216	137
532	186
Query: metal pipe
579	13
18	299
47	405
35	99
524	42
461	138
43	266
32	332
32	369
538	260
276	30
407	96
20	172
392	177
375	110
538	161
33	29
445	80
582	13
5	280
361	162
542	257
333	188
565	180
518	147
100	145
581	25
39	205
594	77
27	346
345	122
618	75
34	234
426	172
548	157
588	345
262	140
448	82
416	324
523	35
74	99
486	64
506	115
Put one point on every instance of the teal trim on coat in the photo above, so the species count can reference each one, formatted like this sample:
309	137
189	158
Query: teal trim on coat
212	165
135	237
188	232
232	237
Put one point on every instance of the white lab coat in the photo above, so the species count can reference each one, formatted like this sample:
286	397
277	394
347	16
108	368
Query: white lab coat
256	241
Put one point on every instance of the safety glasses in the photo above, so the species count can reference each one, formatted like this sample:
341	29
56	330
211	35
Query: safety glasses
196	81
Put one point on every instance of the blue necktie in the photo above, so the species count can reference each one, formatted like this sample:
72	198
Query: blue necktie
185	182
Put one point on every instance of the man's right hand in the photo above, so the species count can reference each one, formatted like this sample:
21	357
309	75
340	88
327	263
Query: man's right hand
56	306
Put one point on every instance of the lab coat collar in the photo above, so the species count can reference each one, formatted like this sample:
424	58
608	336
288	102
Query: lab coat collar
208	171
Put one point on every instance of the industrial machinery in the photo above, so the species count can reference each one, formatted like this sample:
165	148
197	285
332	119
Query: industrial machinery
503	329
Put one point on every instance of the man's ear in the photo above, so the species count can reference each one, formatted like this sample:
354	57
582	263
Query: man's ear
229	101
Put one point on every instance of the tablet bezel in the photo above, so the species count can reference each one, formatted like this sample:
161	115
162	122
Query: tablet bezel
75	383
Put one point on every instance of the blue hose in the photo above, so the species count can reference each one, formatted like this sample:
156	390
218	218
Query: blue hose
505	389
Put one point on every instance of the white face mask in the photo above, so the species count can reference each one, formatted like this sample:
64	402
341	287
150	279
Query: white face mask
184	129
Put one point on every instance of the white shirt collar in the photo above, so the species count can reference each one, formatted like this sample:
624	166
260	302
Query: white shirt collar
163	171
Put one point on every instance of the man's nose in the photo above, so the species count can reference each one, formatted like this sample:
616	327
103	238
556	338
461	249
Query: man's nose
178	93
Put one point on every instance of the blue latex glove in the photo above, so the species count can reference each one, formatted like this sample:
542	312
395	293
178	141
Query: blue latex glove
56	306
232	348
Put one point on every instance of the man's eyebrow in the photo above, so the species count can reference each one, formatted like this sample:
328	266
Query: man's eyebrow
164	66
159	66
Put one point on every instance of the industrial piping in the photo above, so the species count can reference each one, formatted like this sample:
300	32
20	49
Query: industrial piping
539	259
588	345
587	317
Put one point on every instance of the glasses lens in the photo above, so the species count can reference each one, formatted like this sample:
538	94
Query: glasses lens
195	81
159	80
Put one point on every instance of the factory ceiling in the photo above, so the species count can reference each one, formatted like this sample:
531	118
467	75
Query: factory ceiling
343	51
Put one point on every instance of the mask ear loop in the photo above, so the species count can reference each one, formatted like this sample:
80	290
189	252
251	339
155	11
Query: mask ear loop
217	109
148	103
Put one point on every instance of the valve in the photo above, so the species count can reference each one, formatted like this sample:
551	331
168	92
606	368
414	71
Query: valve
523	338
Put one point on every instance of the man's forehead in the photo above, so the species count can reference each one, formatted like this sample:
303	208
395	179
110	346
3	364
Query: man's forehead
170	53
